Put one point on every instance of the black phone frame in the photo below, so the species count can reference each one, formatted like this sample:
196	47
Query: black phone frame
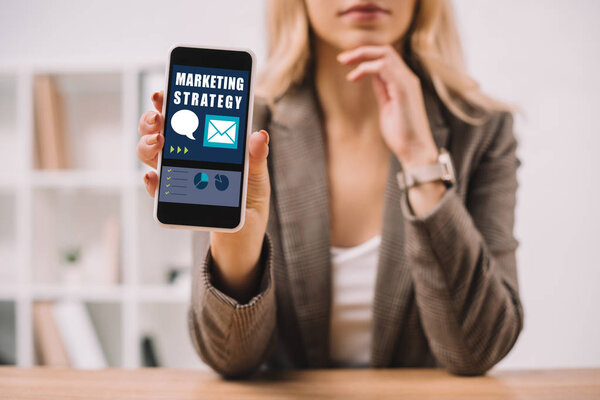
200	215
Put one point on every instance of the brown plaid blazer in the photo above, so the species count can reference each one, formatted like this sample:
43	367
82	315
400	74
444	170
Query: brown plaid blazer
446	290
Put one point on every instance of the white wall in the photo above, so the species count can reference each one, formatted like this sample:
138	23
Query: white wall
543	56
104	30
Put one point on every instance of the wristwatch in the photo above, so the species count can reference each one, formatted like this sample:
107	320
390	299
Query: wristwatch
442	170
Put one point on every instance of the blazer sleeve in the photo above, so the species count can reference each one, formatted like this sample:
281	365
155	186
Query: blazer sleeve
232	338
462	259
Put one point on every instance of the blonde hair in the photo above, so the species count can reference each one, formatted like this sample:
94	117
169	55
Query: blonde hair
432	41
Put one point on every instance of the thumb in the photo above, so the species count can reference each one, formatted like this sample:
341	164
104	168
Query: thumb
258	174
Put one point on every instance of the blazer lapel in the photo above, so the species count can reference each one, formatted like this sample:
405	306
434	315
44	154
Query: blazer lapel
393	287
301	193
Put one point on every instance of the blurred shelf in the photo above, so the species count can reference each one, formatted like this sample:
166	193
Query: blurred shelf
8	242
89	82
164	293
45	214
10	143
79	223
85	292
8	292
80	120
8	337
79	179
9	181
101	66
173	347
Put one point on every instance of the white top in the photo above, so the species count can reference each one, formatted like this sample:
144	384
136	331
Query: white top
354	270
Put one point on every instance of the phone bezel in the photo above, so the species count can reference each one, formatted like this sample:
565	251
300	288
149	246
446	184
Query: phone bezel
207	217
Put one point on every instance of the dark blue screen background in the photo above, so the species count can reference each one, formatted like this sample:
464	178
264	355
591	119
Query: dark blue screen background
197	152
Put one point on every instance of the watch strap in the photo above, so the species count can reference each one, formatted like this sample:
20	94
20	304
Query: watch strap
424	174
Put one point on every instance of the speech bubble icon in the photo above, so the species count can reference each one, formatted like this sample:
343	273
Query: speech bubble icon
185	123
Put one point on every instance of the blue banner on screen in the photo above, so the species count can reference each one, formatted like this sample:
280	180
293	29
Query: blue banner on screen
200	186
207	114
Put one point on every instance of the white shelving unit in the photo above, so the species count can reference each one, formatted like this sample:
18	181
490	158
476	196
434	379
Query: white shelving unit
42	211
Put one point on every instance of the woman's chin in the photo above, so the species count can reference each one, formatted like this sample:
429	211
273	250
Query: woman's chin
365	39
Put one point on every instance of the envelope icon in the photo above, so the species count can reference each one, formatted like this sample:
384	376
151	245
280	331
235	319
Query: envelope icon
221	131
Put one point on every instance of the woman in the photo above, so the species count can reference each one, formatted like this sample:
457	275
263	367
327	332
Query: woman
357	250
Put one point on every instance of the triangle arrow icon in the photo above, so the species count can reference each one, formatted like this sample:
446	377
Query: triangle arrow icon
185	150
171	149
178	149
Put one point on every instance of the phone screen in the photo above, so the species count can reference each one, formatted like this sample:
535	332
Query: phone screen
205	129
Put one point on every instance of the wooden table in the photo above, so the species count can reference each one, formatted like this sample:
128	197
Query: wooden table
172	384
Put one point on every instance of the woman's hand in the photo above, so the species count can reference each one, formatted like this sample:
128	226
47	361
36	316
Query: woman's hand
402	115
236	255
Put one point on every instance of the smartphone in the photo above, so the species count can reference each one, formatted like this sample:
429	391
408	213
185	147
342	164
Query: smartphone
203	166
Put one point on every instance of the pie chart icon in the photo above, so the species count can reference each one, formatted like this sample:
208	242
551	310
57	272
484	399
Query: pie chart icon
221	182
201	180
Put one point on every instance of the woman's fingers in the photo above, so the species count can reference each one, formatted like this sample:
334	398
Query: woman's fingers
148	148
259	146
390	78
384	60
157	100
259	150
368	68
152	141
150	123
381	93
150	181
383	85
258	174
